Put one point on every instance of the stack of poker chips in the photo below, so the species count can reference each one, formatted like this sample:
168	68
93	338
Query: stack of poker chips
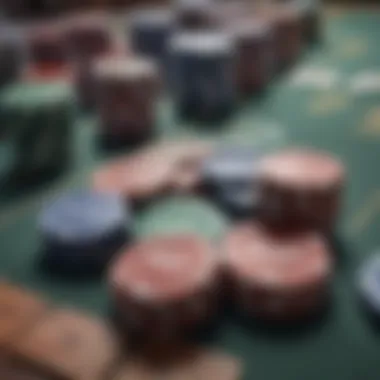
81	231
286	272
87	37
204	85
127	91
165	288
38	118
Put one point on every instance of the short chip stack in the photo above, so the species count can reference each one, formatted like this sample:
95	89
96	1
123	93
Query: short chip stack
165	287
276	275
301	187
81	232
127	91
204	83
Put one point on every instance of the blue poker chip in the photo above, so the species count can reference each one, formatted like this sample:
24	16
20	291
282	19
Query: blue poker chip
368	283
81	231
230	177
203	74
149	31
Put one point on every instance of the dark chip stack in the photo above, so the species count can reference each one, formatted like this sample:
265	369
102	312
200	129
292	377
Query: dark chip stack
149	31
286	20
87	37
81	232
127	91
204	75
255	51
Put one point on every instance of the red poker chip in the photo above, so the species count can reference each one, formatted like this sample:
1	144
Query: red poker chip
301	186
138	177
165	285
275	274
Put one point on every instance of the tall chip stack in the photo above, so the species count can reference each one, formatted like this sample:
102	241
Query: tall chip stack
149	31
87	37
38	119
127	92
286	20
255	55
204	74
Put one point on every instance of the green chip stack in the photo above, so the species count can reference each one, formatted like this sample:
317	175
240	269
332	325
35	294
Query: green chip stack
38	120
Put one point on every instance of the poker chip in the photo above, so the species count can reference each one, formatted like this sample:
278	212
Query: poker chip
276	275
139	178
230	177
301	187
127	90
368	285
286	21
39	116
149	32
195	14
204	84
81	231
256	55
87	36
165	286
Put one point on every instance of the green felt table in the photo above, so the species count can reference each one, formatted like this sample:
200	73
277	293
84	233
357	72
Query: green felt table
339	112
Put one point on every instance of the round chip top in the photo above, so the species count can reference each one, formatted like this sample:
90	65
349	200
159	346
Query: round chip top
83	216
368	281
303	168
276	259
202	42
126	68
164	268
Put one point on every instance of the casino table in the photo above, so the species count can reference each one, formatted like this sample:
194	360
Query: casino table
330	100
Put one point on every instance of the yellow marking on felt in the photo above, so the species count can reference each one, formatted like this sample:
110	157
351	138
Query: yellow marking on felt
371	122
327	103
365	214
353	48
